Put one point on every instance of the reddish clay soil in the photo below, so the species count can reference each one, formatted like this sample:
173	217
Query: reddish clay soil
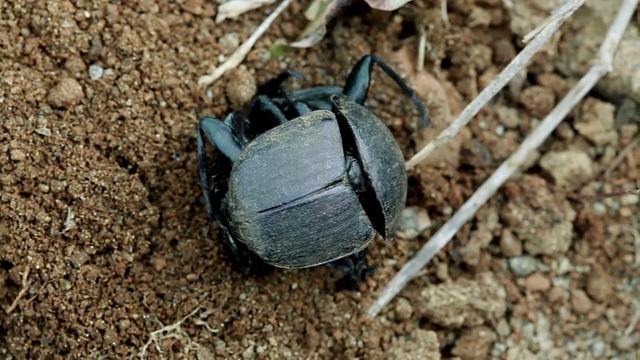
103	234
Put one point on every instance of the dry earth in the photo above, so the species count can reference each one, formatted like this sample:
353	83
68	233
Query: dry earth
103	234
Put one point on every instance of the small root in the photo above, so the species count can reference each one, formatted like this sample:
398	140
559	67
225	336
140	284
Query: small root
175	331
25	287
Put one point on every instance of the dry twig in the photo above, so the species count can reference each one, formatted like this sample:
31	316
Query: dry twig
175	331
422	47
515	66
623	154
444	13
629	338
25	287
70	222
241	52
231	9
602	66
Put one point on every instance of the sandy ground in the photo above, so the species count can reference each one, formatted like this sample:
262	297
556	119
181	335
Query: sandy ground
103	234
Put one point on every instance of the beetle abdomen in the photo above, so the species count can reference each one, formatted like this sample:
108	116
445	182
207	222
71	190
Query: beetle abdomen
329	225
302	210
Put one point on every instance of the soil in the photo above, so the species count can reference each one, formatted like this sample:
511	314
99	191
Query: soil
106	253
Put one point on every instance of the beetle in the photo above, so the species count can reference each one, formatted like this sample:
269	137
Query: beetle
306	177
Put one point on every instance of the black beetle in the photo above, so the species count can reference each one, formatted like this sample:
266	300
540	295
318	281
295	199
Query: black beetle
306	177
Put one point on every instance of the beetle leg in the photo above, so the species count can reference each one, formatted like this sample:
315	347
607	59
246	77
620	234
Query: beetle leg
357	84
220	135
273	87
264	115
246	260
264	106
355	270
316	98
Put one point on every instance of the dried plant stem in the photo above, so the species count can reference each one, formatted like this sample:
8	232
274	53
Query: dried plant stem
444	13
25	287
515	66
170	331
241	52
628	338
623	154
602	66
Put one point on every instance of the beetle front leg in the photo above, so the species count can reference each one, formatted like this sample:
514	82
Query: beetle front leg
221	136
274	87
354	268
268	112
244	258
357	84
316	98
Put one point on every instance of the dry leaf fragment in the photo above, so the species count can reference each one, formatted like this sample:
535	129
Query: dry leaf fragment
231	9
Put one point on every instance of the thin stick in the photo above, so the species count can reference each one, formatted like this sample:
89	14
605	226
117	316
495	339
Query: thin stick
444	13
518	63
502	174
23	290
241	52
422	45
628	338
623	154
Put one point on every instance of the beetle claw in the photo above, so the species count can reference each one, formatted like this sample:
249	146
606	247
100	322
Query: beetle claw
244	259
355	270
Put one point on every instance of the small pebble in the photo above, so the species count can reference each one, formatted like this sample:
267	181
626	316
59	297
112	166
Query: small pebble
595	121
57	185
563	266
267	328
75	64
598	349
569	168
556	294
220	347
159	263
629	199
403	309
43	131
522	266
503	328
17	155
625	212
537	282
538	100
240	87
249	353
625	343
229	42
67	92
413	221
599	285
580	301
95	72
599	209
509	244
507	116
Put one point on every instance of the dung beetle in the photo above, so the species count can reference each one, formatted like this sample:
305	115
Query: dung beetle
306	177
